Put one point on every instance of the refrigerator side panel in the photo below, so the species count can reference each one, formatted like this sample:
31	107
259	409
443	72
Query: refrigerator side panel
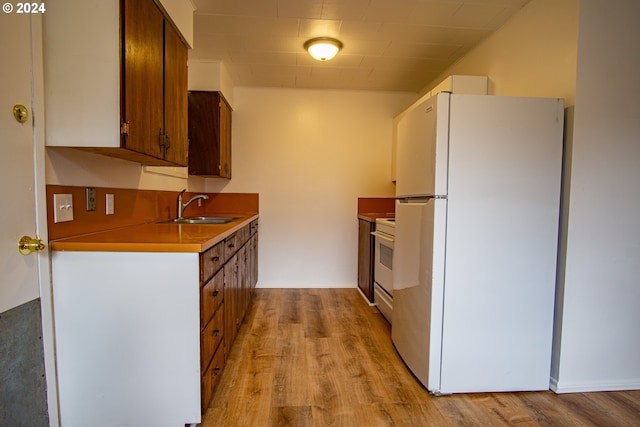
418	287
502	226
422	144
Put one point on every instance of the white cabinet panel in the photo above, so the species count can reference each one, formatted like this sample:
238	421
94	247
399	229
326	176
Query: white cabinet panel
127	338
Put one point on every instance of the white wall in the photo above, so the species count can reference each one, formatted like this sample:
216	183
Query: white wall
310	154
599	321
533	54
211	76
68	166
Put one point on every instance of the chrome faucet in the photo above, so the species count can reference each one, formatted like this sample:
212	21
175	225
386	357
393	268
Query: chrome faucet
183	206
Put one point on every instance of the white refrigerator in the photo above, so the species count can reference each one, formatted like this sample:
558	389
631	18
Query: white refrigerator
477	213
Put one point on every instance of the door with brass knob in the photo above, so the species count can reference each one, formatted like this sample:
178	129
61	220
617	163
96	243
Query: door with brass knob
24	287
20	282
28	245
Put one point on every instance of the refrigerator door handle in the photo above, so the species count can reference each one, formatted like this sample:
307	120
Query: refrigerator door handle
419	199
414	200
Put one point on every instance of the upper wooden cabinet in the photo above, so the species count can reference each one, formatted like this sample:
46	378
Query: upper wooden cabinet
116	81
209	134
175	97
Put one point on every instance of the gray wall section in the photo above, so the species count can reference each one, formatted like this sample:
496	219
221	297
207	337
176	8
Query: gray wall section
23	399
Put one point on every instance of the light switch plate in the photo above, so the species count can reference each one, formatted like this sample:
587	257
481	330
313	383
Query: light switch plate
109	203
62	207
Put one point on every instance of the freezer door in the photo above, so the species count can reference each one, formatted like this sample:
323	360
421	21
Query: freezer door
418	280
422	146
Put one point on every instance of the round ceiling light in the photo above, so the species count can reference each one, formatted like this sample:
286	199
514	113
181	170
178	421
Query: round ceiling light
323	48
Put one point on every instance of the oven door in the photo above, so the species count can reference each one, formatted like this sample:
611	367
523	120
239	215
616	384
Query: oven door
383	266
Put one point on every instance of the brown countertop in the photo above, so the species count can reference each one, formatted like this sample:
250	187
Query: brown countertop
155	237
372	216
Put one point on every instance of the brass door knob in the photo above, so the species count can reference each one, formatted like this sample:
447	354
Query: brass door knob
27	245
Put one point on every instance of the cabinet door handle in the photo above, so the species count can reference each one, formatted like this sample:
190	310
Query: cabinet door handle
215	293
215	258
216	332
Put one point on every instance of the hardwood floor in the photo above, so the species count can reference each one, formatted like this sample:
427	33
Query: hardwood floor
322	357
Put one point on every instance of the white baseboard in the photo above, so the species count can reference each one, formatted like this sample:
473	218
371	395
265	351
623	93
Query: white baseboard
371	304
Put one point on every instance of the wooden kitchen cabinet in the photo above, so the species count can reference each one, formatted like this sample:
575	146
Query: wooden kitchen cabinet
212	348
209	134
231	298
229	270
365	257
154	85
175	97
168	309
116	81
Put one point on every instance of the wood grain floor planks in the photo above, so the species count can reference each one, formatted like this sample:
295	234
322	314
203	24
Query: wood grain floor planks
322	357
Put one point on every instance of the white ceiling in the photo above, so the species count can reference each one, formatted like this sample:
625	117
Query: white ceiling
389	45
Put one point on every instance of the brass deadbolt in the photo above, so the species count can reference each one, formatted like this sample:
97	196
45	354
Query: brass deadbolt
21	113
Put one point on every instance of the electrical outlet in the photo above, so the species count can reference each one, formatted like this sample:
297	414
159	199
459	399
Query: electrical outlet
110	204
62	207
90	197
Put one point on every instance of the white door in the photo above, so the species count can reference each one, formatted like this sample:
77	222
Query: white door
22	185
18	215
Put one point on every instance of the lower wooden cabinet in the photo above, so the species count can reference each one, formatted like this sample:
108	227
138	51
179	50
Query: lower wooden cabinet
211	377
210	339
102	322
365	257
230	296
228	275
211	298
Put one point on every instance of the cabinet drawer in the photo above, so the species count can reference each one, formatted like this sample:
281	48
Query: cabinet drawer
231	245
244	234
211	377
235	242
211	261
211	338
211	297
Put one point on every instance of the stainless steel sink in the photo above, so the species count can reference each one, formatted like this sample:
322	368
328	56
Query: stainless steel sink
204	220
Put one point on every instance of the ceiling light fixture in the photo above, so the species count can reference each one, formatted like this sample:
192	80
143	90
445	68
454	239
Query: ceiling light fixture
323	48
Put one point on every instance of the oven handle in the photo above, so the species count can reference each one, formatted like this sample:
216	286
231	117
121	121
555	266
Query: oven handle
383	236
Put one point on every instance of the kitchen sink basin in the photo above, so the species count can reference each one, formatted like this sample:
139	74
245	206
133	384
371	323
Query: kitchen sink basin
204	220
